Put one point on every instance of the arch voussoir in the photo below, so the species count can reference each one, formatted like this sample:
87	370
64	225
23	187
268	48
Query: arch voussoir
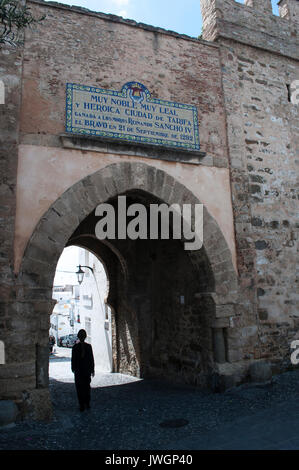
158	183
36	273
176	196
83	199
139	177
121	176
107	181
167	188
103	185
42	248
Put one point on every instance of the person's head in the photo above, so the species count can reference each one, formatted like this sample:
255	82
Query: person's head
81	335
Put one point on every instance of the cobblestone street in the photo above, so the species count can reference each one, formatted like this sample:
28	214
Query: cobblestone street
132	414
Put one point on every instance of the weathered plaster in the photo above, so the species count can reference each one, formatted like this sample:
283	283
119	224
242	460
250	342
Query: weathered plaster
36	191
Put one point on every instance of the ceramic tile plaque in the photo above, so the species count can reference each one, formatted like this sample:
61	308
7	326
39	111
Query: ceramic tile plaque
131	115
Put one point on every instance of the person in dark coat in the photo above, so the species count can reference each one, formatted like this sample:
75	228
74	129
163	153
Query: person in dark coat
83	368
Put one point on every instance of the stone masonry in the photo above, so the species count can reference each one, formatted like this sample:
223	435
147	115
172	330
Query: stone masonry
259	54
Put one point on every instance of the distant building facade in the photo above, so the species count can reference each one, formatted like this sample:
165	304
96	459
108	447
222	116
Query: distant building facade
63	318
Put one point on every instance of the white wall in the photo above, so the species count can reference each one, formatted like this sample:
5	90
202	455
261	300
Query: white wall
93	291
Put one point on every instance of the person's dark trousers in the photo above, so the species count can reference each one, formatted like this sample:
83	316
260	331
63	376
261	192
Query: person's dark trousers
82	382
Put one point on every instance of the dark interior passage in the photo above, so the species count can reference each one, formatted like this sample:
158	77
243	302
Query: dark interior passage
159	328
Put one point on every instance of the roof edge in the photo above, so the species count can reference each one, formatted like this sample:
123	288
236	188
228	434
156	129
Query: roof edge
121	20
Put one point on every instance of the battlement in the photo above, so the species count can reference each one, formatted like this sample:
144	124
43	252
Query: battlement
263	6
289	9
254	23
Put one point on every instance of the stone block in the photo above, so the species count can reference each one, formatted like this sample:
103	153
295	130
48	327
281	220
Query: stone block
260	372
177	194
227	376
8	413
122	176
73	207
224	311
37	403
234	355
39	249
84	198
16	384
138	178
101	191
219	345
17	370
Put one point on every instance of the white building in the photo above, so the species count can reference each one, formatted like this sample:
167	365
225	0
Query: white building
66	293
95	315
83	305
64	315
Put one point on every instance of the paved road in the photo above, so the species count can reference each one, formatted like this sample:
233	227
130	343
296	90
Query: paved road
132	414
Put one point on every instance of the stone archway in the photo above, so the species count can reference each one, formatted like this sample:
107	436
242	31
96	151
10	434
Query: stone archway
55	229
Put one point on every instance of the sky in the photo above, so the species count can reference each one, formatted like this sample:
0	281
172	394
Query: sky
184	17
68	261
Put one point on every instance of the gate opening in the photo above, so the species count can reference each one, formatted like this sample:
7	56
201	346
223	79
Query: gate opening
165	302
80	303
158	325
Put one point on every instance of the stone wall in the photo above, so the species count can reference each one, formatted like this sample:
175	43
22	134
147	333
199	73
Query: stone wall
13	376
106	51
258	55
249	131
